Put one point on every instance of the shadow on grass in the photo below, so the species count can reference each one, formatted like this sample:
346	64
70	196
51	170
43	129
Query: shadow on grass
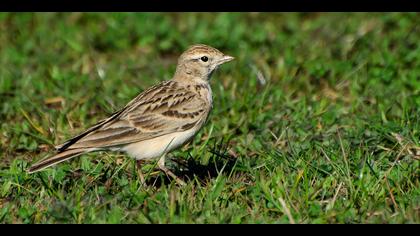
187	170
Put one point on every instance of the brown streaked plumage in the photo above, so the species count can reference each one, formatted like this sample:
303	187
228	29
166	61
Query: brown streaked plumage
157	121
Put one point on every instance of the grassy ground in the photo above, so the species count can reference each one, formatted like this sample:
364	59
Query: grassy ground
332	136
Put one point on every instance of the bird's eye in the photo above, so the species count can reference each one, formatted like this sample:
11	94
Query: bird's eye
204	58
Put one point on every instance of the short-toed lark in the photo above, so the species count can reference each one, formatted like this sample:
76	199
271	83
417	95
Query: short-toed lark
157	121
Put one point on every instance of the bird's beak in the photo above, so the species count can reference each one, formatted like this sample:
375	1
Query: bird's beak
225	59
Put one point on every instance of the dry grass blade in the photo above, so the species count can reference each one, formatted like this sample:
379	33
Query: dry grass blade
32	123
286	210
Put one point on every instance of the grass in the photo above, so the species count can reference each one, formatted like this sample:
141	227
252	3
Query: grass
316	121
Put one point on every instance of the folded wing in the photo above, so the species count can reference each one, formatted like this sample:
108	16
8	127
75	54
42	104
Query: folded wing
160	110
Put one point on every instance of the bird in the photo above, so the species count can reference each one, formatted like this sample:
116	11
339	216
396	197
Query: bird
159	120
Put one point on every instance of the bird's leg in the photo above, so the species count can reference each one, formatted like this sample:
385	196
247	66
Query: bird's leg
161	165
139	173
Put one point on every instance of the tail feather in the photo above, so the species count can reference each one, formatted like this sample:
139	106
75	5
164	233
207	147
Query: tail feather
60	157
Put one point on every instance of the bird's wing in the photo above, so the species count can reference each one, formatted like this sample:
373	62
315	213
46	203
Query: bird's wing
162	109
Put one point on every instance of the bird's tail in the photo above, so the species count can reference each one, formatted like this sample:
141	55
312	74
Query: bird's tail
60	157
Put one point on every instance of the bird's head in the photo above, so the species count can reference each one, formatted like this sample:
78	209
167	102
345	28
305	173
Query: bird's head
199	61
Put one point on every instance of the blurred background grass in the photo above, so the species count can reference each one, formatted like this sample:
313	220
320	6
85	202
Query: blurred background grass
320	114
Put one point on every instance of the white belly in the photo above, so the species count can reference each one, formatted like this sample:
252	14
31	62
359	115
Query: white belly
156	147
